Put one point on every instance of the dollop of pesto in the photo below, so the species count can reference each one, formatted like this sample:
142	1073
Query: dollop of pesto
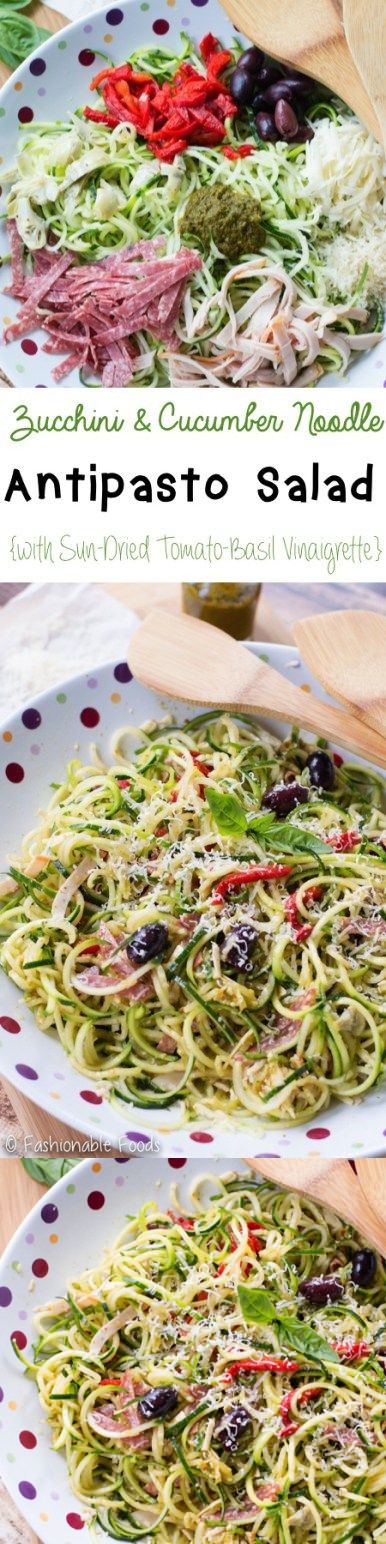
231	218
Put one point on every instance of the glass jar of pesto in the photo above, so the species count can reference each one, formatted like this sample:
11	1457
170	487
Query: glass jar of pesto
229	606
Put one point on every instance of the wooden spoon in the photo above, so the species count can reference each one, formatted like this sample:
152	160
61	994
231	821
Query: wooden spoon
346	651
372	1179
333	1183
180	657
365	28
308	34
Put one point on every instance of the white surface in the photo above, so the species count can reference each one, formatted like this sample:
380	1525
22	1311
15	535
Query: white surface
54	1084
51	629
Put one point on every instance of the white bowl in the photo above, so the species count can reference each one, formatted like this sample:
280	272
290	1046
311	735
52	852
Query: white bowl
61	1237
54	82
35	747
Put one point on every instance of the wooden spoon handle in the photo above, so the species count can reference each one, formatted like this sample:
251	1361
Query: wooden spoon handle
372	1179
273	694
335	1184
365	28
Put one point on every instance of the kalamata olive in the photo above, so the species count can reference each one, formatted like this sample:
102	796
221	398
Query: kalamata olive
304	133
147	943
265	124
321	770
284	797
280	90
285	119
302	84
242	86
238	947
322	1289
258	102
230	1431
158	1403
251	60
267	74
363	1267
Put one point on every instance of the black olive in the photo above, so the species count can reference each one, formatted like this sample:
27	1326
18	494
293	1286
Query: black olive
267	74
234	1426
321	770
265	124
304	133
147	943
322	1289
237	949
285	119
278	91
242	86
302	84
251	60
258	101
158	1403
284	797
363	1267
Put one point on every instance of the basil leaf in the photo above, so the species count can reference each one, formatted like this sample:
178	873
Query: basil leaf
300	1337
288	838
261	823
256	1305
48	1170
227	812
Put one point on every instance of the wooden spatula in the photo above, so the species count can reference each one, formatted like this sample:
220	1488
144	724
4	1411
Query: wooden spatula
309	35
333	1183
372	1178
346	651
180	657
365	28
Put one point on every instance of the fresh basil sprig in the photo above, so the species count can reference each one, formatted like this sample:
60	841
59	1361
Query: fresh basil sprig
232	820
258	1307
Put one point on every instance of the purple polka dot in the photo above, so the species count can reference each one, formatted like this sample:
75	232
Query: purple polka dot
35	750
1	1396
86	56
19	1339
95	1200
176	1163
201	1136
74	1521
27	1440
49	1213
31	718
10	1025
22	1316
136	1136
30	1238
26	1072
25	115
318	1134
89	717
39	1269
124	1158
266	1155
14	772
27	1490
92	682
114	17
88	27
122	673
199	2
90	1097
29	347
160	27
37	66
5	1297
119	1181
54	1495
60	1078
41	91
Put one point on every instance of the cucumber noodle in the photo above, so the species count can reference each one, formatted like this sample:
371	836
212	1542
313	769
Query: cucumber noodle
307	1025
97	190
162	1310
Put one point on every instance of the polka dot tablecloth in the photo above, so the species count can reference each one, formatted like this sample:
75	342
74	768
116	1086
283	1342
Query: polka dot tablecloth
34	749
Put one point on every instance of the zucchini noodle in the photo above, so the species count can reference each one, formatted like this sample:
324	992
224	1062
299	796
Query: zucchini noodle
276	1426
163	836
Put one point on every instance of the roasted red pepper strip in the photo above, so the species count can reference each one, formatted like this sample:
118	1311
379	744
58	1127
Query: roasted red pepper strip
111	1383
344	841
259	1364
236	155
239	877
185	1222
302	1398
351	1351
190	109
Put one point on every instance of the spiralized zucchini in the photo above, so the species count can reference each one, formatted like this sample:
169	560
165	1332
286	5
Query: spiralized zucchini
187	1303
157	833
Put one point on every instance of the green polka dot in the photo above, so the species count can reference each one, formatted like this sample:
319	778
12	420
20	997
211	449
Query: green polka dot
62	46
10	1458
15	1265
70	1190
2	112
20	369
61	697
144	7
